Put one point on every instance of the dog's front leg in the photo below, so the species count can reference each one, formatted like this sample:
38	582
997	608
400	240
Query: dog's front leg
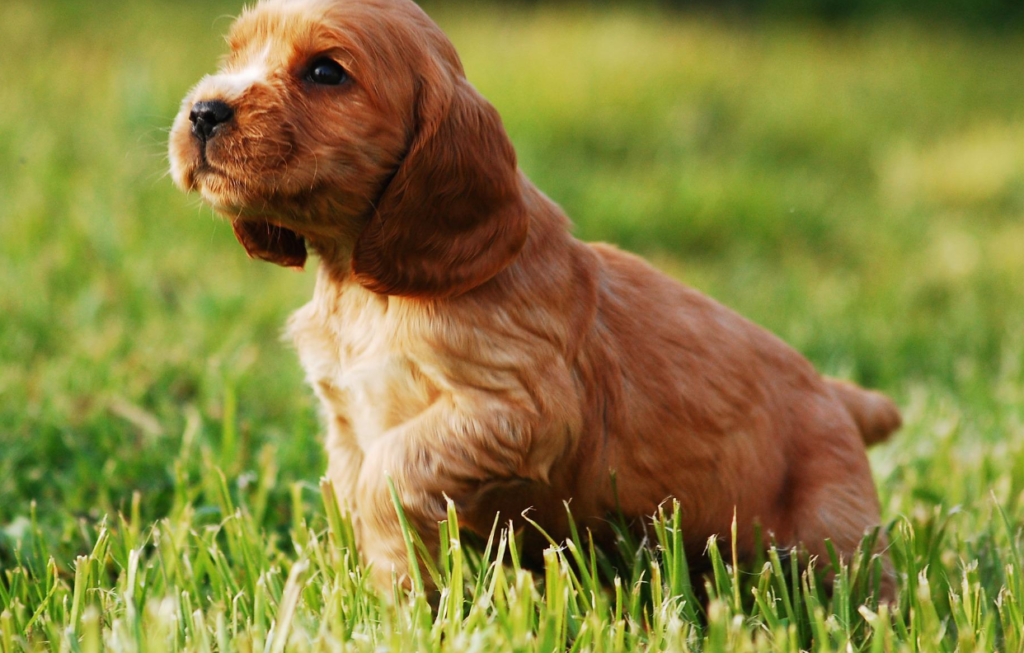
445	451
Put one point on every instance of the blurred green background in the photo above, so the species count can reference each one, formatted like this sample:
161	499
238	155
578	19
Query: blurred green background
856	186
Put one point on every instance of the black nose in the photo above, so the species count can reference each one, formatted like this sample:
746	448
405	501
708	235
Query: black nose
207	116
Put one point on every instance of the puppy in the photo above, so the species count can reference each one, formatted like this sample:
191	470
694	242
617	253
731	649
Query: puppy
462	342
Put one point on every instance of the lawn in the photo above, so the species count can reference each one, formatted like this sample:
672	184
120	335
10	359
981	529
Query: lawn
857	189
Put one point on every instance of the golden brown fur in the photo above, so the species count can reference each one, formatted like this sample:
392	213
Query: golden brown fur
463	342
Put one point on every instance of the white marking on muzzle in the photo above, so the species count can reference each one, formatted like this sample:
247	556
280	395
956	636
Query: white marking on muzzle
231	86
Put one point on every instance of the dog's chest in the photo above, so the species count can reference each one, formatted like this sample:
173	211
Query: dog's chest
358	362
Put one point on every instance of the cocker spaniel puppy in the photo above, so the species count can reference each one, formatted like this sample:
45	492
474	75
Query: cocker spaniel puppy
464	343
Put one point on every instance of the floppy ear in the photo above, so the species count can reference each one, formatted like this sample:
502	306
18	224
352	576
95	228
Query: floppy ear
453	215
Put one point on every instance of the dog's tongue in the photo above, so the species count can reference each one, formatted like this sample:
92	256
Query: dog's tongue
271	243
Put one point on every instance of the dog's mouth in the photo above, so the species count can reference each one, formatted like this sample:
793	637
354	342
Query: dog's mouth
260	237
271	242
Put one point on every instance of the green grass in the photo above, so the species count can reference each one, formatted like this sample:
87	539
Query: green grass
858	190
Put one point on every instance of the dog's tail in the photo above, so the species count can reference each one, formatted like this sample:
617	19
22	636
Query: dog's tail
875	414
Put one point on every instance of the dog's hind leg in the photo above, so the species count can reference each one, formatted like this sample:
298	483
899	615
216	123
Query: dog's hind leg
835	500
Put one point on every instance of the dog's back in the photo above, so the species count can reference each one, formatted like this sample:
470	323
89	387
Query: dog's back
692	401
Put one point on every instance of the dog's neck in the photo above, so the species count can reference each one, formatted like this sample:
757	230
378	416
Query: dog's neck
335	258
549	226
546	246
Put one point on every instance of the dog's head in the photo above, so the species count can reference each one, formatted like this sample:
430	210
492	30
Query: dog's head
349	124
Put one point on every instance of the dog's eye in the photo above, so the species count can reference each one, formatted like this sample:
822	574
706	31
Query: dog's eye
326	72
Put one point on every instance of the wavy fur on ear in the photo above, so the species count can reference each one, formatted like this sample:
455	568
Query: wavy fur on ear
453	216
